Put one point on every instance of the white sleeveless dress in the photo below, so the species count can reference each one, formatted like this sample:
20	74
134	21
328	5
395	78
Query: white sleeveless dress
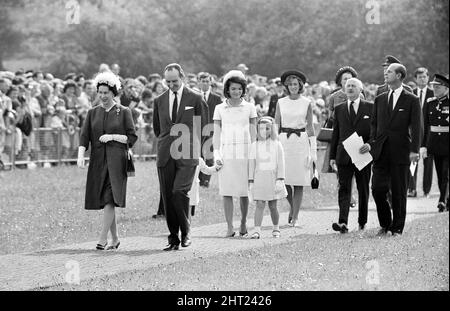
235	145
296	149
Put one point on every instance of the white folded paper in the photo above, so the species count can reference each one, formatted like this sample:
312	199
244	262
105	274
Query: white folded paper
352	145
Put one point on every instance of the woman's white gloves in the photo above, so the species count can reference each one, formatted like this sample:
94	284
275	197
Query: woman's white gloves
313	149
109	137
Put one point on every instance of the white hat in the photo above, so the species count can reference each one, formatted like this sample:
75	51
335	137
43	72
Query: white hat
233	73
108	78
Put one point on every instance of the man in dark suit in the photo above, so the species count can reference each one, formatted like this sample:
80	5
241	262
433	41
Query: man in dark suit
279	93
424	93
212	100
394	142
389	59
354	116
178	118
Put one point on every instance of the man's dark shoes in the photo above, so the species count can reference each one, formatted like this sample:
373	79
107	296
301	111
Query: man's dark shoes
158	216
441	207
186	242
362	227
172	247
342	228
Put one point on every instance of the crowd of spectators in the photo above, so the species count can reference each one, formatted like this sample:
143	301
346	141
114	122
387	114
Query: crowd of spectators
39	112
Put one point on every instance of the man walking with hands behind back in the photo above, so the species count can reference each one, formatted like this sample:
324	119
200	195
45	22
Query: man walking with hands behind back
394	143
178	112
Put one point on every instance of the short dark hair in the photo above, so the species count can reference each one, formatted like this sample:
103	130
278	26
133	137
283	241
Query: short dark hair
175	66
420	70
204	75
300	82
226	87
69	83
113	89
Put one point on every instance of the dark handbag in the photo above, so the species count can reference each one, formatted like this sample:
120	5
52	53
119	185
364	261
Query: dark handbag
130	165
315	179
326	132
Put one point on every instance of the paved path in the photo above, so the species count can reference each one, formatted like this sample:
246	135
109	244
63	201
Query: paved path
51	267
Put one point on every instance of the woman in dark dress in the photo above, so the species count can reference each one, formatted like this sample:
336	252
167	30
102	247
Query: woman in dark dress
110	131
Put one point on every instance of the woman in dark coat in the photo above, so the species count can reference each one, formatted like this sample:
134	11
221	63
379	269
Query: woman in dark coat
110	131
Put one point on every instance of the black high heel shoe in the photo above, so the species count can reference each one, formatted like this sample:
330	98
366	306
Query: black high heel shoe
113	246
101	247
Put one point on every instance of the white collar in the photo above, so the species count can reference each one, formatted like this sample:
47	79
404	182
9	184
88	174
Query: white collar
179	92
397	91
356	101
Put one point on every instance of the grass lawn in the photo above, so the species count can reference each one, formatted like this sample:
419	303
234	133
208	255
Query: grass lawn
43	208
418	260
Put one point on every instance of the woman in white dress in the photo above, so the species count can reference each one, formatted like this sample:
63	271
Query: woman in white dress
234	131
294	118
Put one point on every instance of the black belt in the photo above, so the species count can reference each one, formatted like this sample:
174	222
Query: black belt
290	131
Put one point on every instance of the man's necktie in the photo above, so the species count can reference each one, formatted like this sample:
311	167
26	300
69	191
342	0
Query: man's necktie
352	112
174	108
391	102
420	96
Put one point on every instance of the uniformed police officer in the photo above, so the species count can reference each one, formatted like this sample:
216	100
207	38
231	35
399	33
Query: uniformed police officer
436	130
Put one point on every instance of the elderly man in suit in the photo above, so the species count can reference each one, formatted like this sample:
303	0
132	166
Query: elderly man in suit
178	119
394	143
354	116
212	100
424	93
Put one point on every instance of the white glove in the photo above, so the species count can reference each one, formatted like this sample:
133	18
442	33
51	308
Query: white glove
120	138
80	160
105	138
279	186
218	157
423	152
313	148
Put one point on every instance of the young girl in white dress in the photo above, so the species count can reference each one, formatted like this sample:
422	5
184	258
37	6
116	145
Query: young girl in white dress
193	194
234	131
294	118
266	174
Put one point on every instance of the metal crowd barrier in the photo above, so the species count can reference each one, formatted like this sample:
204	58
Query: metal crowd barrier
48	147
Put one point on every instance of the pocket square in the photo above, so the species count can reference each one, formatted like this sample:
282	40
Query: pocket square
401	110
366	117
188	108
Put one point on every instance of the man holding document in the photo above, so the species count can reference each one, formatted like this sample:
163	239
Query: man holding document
394	143
350	131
